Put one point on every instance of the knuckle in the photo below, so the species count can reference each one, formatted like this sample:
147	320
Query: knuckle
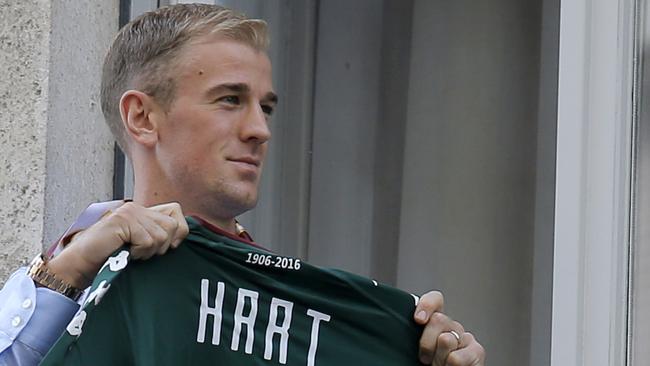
145	242
121	213
125	214
169	224
457	326
447	340
174	224
456	359
480	350
127	207
470	337
149	242
137	253
477	349
184	229
159	237
427	347
439	318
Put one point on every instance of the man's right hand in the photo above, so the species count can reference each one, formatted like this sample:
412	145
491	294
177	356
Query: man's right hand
149	230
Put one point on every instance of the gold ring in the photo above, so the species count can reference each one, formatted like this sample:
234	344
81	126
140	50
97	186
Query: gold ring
455	335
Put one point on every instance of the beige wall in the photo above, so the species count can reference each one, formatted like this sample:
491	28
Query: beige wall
56	151
24	53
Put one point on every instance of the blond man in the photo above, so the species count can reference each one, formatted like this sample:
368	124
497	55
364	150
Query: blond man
187	93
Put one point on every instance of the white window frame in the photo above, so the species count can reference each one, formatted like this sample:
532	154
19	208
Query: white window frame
594	157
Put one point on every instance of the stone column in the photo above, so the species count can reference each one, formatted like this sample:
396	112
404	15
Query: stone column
56	151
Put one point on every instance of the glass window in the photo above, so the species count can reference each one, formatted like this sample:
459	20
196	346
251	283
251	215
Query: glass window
415	143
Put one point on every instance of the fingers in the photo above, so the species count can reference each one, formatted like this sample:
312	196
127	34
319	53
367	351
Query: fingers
452	351
152	230
437	342
429	303
440	347
156	236
469	353
140	238
173	210
446	344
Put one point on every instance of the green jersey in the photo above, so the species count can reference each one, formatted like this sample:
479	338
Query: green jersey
216	300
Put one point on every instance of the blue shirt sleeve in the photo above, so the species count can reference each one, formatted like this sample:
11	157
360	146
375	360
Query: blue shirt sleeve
31	319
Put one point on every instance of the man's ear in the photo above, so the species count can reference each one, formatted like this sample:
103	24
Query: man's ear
137	110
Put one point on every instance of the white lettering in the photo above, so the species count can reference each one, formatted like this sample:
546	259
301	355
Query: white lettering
282	330
315	326
248	320
206	310
98	294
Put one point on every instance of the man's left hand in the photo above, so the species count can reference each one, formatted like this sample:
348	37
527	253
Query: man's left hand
445	342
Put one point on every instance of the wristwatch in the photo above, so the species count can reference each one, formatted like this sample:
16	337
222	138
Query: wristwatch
39	272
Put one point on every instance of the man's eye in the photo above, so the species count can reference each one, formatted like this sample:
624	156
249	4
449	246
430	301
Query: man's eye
231	99
267	109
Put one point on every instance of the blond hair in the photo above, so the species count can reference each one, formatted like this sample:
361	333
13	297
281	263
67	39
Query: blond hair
143	53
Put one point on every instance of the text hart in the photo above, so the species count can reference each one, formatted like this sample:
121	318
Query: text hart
248	320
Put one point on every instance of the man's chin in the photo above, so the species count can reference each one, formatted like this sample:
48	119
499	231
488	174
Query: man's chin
239	204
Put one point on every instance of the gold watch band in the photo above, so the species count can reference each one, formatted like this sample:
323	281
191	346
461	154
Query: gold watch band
39	272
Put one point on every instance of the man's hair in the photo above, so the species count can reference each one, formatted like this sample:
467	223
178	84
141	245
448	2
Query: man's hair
144	52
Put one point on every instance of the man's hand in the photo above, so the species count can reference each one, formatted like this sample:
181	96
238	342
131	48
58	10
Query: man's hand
150	231
439	346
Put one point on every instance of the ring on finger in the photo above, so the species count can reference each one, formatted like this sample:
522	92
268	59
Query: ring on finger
455	334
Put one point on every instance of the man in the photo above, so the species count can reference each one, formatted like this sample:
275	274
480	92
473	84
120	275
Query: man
187	93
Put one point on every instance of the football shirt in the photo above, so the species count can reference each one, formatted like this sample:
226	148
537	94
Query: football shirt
216	300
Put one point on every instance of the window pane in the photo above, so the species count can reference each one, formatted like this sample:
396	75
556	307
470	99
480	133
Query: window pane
640	297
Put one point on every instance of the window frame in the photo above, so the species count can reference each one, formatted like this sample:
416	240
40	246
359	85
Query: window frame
593	182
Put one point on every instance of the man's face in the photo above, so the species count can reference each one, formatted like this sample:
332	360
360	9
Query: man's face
214	137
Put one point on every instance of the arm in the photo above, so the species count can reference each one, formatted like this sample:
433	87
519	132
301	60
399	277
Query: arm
29	328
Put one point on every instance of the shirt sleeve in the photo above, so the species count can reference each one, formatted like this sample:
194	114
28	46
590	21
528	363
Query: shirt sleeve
31	319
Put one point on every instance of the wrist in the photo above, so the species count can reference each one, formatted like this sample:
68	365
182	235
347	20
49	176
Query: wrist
73	269
42	275
79	262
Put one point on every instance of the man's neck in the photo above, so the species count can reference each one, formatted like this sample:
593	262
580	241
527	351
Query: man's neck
149	200
152	188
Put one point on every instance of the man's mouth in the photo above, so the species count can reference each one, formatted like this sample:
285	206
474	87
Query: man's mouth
246	160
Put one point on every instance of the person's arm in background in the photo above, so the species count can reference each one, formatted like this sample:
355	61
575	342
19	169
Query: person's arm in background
32	317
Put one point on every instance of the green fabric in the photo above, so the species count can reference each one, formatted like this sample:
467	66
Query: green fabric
150	313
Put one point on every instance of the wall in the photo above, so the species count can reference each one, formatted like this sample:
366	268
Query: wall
24	55
57	153
79	144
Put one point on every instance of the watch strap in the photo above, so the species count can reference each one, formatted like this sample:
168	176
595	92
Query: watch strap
39	272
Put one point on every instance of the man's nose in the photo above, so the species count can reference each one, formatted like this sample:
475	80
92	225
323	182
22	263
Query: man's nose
255	126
